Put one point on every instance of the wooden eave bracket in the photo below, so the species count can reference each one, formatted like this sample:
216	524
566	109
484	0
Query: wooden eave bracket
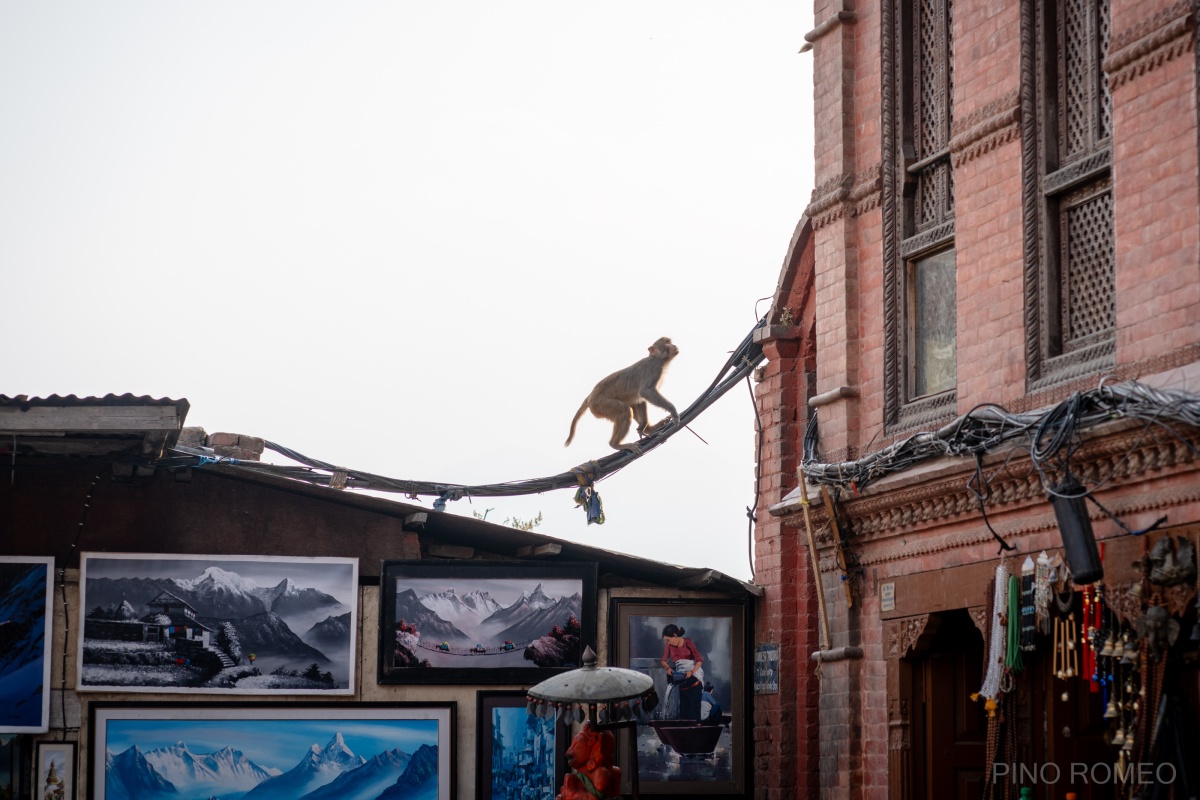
539	550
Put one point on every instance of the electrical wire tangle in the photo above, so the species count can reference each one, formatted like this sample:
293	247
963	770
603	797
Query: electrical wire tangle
1052	438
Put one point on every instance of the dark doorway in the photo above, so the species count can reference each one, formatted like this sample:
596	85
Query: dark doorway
949	729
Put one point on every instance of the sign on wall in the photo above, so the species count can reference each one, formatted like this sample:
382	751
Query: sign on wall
766	669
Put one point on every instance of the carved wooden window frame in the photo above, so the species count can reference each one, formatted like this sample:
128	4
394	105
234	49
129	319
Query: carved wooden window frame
1053	183
910	229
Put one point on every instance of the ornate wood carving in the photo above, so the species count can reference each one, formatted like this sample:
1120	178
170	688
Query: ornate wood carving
1120	600
1062	291
979	617
847	195
924	131
1031	197
880	519
1084	169
1150	43
989	127
928	239
926	412
890	203
1179	598
902	635
898	725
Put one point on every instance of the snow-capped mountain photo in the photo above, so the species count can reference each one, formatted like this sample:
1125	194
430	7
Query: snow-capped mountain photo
368	781
465	613
410	609
539	622
318	767
217	624
25	600
210	772
477	619
353	753
331	632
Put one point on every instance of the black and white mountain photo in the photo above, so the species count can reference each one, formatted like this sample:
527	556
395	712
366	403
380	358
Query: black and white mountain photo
235	624
495	622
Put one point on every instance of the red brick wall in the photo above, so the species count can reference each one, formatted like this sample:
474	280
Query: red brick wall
785	734
828	737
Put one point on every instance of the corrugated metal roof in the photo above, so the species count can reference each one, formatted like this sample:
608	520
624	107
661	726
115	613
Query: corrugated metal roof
126	399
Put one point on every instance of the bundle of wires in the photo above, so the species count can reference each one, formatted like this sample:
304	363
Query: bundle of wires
738	366
1052	436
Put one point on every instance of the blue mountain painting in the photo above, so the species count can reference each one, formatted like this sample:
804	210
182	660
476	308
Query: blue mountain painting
256	764
22	644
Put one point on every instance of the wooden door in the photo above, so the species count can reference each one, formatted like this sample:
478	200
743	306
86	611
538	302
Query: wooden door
953	728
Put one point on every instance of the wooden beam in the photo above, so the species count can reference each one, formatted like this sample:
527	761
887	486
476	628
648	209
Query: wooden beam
699	581
416	521
449	551
91	419
539	550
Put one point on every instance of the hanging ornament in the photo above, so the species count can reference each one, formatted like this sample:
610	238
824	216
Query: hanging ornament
1028	608
1041	592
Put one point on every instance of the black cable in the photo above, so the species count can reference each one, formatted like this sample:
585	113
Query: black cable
740	364
1052	437
752	511
62	585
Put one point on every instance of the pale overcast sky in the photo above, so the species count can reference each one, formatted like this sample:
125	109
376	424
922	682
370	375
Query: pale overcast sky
409	237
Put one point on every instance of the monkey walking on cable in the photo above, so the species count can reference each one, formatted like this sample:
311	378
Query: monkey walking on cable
622	396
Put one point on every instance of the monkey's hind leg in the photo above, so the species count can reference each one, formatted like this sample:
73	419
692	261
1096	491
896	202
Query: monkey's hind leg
621	416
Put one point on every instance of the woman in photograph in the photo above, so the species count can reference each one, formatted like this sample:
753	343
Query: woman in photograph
685	670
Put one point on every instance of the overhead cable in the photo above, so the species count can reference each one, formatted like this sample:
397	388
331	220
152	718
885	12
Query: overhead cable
739	365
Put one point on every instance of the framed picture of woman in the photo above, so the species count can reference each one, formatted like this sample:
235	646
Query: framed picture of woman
694	741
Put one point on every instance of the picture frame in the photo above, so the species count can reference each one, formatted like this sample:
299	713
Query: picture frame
27	609
54	770
517	749
272	750
265	625
484	622
695	741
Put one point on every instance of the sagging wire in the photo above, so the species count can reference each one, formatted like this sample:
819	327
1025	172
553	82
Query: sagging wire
752	511
62	586
1052	437
741	363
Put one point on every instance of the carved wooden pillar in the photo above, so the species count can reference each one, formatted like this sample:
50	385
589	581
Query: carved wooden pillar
902	637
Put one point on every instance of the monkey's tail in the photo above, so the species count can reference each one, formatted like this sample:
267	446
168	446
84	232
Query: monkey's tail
578	414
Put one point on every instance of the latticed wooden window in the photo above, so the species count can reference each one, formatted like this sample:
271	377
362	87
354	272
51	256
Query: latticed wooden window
930	128
918	197
1070	256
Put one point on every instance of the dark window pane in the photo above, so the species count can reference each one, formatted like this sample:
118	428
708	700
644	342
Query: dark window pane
934	326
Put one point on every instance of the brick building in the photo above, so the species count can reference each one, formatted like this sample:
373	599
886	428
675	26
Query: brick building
1006	217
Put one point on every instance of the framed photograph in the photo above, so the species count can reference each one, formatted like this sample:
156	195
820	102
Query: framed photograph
272	751
26	614
694	742
217	624
482	622
519	755
54	773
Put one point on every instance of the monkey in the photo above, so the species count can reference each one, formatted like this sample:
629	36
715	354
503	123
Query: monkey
624	394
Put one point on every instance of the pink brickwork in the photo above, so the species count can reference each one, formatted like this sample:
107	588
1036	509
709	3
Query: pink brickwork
828	737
